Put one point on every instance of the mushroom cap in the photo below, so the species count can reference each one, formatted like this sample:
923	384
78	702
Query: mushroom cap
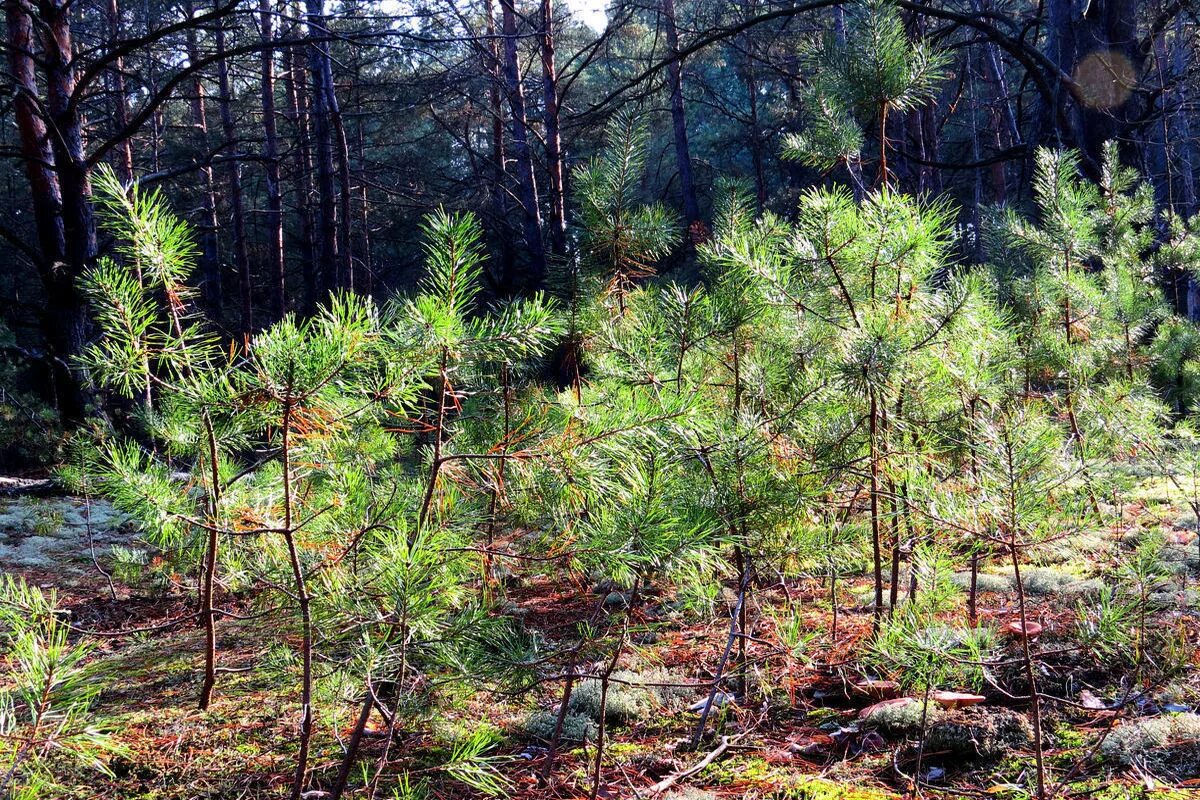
895	701
1030	629
956	699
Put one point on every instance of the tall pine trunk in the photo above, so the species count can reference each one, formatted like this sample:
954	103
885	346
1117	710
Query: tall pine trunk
683	157
526	182
321	74
67	319
237	206
123	163
275	258
499	201
210	267
297	113
554	154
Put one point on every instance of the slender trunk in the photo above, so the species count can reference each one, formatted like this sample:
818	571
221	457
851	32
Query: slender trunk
602	730
302	601
527	184
275	257
365	279
756	142
210	267
883	145
497	488
209	580
1030	675
435	464
876	550
683	158
241	260
554	154
563	707
297	112
499	199
893	534
120	101
321	75
973	594
977	248
356	735
345	193
1181	135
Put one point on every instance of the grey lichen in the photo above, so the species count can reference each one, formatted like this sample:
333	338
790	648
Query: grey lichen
1168	746
577	728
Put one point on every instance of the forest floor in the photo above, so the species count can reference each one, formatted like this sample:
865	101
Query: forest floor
819	749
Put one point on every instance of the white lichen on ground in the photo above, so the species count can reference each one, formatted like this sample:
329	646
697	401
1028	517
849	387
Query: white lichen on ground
52	533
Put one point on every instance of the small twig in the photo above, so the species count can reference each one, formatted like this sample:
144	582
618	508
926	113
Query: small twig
712	692
699	766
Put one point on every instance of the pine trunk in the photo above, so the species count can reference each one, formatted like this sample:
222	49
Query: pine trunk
554	154
527	183
321	74
683	157
210	268
237	208
275	256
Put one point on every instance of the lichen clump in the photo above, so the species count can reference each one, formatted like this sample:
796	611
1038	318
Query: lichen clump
1168	746
629	697
576	729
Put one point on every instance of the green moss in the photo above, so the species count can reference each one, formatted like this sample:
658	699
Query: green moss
812	788
742	769
1103	789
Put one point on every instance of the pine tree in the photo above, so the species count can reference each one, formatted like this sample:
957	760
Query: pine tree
860	78
46	721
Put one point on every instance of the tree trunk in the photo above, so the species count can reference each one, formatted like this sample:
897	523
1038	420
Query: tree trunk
345	214
365	282
554	154
297	112
321	73
67	319
526	181
120	102
45	194
683	158
241	259
271	154
499	200
210	268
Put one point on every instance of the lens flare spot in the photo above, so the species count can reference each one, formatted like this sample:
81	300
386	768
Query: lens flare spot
1104	79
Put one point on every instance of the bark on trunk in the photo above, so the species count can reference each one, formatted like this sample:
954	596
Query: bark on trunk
527	183
297	113
210	268
67	320
123	161
683	158
554	154
237	209
275	258
499	200
321	74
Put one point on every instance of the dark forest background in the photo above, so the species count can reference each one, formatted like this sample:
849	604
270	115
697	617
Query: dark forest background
305	140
